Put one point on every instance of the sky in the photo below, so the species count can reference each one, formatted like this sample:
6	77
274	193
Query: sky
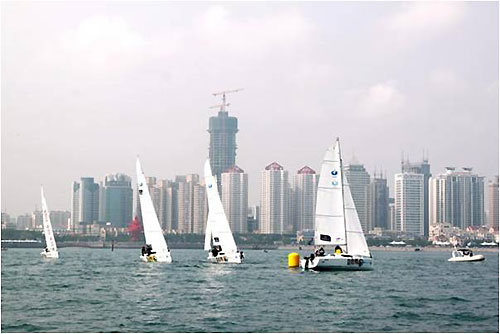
88	86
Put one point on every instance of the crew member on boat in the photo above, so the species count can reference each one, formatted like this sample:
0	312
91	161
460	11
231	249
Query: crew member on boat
149	250
320	252
216	250
338	250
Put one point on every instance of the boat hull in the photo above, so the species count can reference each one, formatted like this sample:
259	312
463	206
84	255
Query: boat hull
234	258
49	255
155	258
337	263
474	258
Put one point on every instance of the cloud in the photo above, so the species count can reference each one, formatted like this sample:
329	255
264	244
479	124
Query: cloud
424	19
99	43
446	80
379	99
227	32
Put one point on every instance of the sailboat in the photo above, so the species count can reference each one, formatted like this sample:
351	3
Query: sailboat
50	251
219	241
338	237
156	249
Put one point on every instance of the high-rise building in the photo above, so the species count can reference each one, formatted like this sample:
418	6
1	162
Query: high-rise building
392	214
84	203
24	222
253	219
59	219
234	183
117	199
379	203
222	150
273	199
359	182
304	190
200	208
9	222
409	203
192	204
423	168
36	220
168	205
493	203
457	198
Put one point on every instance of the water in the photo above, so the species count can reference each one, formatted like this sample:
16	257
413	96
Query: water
96	290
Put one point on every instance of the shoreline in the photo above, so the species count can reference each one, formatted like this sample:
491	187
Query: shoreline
403	249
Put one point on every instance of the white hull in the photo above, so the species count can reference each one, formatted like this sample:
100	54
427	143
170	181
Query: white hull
474	258
155	258
233	258
50	255
331	262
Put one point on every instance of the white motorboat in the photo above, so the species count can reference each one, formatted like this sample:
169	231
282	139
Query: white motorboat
219	240
156	249
50	251
338	237
465	255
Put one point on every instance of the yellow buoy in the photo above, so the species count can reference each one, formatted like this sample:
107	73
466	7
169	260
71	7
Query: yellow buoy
293	260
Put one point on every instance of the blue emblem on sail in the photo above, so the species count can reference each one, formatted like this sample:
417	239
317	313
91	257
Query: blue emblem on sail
335	183
210	186
334	172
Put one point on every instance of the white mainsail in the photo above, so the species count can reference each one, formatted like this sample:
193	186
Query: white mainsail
152	229
47	227
329	218
218	230
337	221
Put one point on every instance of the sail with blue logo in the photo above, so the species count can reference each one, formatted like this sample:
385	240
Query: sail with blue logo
329	219
337	221
218	231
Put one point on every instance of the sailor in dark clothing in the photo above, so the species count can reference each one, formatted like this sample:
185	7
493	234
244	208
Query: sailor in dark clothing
241	255
216	250
149	250
143	250
320	252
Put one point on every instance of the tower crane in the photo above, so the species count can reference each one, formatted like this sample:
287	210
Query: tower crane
223	93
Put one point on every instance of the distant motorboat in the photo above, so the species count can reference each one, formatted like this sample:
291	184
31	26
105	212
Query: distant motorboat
492	243
465	255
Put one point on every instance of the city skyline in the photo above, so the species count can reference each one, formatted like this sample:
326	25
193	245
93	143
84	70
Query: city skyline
68	113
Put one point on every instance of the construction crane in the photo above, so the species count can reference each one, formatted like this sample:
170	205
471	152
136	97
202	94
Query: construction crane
223	93
221	106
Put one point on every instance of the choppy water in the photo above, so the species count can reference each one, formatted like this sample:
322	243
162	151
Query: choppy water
96	290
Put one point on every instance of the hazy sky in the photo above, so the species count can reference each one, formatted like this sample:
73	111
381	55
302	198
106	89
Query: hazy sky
88	86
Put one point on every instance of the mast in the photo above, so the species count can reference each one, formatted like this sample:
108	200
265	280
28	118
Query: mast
343	200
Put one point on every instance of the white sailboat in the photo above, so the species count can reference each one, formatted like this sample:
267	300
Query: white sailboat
219	241
50	251
338	237
156	249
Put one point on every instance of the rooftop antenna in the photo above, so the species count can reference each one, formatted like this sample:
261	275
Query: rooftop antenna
223	93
